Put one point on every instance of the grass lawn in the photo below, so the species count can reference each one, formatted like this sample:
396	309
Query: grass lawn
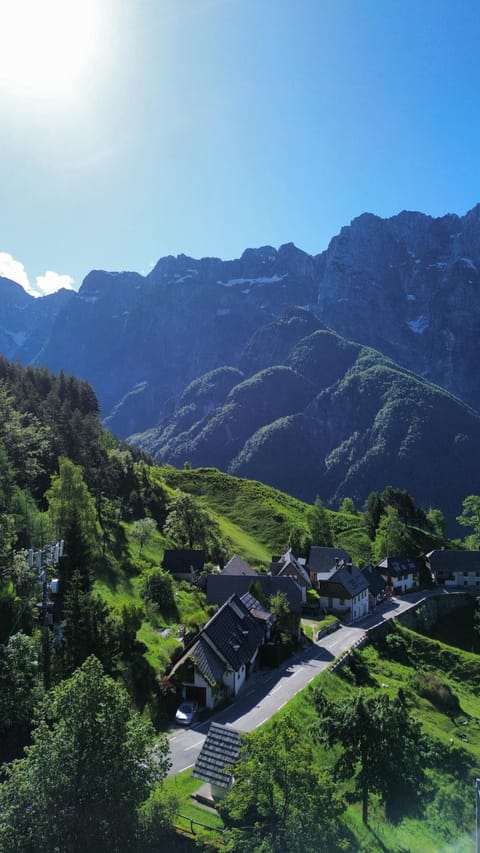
184	785
243	544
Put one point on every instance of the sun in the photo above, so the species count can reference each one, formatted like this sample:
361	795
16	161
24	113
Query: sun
46	46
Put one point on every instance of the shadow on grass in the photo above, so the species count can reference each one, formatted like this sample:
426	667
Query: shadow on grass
113	574
379	842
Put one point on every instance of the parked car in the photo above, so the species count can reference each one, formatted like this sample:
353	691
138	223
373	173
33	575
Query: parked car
186	713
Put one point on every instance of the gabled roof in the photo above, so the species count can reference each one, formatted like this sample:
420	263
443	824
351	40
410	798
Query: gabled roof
449	560
182	560
230	637
399	566
220	750
349	578
207	662
220	587
288	566
234	633
322	559
237	566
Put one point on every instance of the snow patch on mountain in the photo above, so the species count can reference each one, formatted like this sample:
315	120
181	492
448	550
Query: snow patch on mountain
419	324
261	279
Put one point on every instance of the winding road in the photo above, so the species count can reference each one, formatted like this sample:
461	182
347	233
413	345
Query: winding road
267	691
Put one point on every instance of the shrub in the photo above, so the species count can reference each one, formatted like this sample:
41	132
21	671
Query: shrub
438	693
397	648
157	586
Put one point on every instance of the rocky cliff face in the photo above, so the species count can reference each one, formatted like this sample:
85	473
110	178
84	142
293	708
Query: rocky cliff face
408	286
25	322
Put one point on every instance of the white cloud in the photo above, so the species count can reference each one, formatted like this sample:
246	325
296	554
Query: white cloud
53	281
44	284
10	268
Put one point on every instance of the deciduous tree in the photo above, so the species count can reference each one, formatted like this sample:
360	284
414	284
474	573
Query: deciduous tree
470	517
157	586
279	800
189	526
436	519
320	524
392	536
90	766
20	688
142	531
382	746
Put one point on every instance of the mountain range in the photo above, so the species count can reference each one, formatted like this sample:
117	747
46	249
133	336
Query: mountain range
332	374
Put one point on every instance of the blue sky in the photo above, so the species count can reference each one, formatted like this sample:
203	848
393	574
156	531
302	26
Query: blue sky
133	129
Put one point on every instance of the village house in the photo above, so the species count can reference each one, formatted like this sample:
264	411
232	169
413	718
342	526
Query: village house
400	573
288	566
220	587
324	561
454	568
221	656
259	612
183	563
345	592
238	566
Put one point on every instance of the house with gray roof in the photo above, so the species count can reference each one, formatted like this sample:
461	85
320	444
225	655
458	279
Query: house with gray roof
220	587
324	561
288	566
345	592
221	656
219	753
455	568
259	612
400	573
183	563
238	566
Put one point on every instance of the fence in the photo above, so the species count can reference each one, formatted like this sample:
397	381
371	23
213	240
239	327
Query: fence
192	822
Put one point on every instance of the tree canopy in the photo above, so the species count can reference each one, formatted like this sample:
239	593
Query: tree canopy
470	517
189	526
320	524
382	746
90	766
392	535
280	801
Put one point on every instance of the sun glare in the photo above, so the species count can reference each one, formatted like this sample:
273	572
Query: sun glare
46	46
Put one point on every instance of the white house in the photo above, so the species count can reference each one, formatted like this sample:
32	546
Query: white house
400	573
455	568
345	592
221	656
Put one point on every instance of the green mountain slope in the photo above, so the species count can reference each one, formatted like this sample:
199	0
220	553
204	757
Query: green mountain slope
335	419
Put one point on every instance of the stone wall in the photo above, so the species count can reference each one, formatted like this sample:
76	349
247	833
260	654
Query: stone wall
428	611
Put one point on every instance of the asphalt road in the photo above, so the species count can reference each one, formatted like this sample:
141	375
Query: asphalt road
267	691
